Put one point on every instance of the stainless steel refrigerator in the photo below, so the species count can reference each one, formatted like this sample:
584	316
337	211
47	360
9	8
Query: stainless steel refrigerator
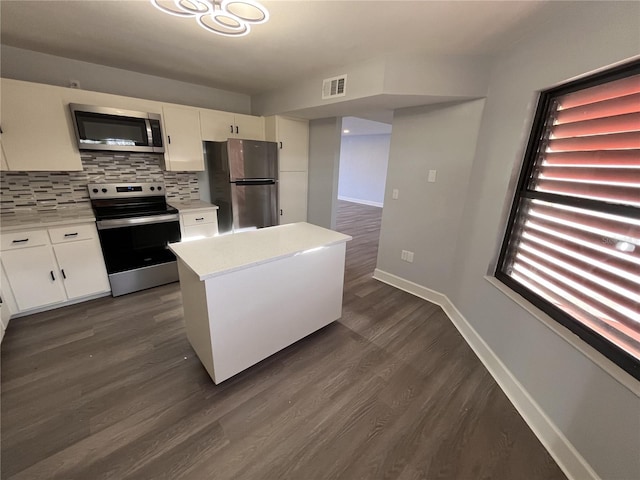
241	178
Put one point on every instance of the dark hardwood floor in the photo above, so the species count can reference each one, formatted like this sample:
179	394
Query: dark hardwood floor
110	389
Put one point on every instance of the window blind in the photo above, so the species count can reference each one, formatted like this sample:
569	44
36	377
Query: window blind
574	238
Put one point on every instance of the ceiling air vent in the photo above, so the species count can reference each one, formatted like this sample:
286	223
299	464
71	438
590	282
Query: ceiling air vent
334	87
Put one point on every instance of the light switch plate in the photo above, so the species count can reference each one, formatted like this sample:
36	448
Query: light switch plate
395	193
432	176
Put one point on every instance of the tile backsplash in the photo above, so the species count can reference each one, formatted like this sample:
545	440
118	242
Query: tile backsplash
39	191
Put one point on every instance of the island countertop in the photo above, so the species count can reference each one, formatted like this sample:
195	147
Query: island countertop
211	257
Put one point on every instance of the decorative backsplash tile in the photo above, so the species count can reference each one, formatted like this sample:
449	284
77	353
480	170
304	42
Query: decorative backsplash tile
40	191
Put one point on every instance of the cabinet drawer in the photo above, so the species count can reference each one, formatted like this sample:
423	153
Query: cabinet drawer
72	233
29	238
199	231
198	218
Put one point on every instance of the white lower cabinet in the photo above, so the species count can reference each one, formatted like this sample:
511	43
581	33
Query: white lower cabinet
82	268
54	266
34	277
292	188
198	224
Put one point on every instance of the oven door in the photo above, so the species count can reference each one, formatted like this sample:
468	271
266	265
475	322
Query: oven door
133	243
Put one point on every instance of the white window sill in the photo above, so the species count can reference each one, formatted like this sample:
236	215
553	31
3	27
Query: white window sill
587	350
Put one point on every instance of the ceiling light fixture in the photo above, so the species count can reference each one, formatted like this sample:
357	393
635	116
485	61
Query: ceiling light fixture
230	18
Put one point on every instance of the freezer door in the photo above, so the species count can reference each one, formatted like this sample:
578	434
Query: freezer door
252	159
255	204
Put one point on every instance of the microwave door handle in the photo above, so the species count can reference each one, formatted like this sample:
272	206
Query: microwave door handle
147	122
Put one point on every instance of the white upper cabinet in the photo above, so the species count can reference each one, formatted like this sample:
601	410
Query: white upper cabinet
219	126
249	127
37	133
292	136
182	140
99	99
216	126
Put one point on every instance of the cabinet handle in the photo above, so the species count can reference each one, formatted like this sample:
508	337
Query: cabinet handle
21	241
237	131
231	127
52	276
280	145
63	275
71	234
199	219
280	212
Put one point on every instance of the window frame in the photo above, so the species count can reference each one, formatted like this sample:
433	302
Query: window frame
542	113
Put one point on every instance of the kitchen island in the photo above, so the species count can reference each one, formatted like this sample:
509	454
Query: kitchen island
250	294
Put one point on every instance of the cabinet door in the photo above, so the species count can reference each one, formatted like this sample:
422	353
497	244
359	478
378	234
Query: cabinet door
293	197
33	276
294	138
249	127
216	126
7	302
82	268
196	232
183	144
3	160
37	129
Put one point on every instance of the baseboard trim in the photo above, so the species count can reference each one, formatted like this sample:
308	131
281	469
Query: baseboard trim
66	303
360	201
563	452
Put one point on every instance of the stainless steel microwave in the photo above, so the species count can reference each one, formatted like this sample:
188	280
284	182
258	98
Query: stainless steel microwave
103	128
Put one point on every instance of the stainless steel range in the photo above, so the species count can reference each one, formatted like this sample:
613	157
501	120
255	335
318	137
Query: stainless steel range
135	225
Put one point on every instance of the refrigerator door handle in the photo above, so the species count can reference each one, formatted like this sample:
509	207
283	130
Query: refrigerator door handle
256	181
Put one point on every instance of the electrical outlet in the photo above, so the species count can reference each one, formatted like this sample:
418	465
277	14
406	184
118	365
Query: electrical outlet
395	193
410	257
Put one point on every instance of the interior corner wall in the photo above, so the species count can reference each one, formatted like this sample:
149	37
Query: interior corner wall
30	66
425	219
363	168
324	156
594	409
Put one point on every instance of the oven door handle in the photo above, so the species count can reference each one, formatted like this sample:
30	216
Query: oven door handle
130	222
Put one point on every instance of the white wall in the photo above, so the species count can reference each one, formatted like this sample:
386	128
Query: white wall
363	168
324	156
38	67
592	404
417	78
425	219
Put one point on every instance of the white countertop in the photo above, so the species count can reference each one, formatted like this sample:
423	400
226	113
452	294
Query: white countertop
49	218
191	205
210	257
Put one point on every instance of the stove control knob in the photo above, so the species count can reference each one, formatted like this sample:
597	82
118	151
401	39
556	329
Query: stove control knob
153	188
95	190
159	188
104	190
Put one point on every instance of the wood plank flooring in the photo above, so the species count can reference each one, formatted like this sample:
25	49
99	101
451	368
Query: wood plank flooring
111	389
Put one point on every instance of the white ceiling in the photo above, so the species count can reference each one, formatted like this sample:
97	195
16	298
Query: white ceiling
301	39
